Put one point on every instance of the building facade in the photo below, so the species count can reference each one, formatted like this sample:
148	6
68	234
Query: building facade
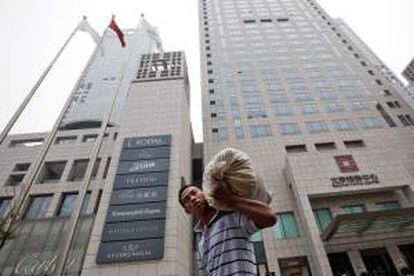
294	89
130	221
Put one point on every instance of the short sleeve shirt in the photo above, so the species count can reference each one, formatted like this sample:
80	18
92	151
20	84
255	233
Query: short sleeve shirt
225	248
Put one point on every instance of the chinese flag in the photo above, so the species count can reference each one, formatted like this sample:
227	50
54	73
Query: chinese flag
114	27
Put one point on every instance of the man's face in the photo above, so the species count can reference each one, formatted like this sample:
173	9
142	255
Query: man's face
193	200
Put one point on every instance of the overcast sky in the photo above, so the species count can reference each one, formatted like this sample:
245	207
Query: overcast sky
32	32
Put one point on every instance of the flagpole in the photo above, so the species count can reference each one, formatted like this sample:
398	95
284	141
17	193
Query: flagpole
74	219
21	201
27	99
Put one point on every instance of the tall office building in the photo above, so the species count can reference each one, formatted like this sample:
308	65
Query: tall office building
110	67
328	131
408	73
130	222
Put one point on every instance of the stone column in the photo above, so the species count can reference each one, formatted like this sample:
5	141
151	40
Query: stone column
357	262
318	258
396	256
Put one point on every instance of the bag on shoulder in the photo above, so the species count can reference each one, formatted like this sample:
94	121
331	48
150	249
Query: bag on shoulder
236	169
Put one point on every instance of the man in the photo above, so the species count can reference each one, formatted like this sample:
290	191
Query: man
225	247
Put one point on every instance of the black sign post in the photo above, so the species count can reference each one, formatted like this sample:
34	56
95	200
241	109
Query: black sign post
134	228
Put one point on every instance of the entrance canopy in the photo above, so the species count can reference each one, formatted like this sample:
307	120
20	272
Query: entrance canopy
374	222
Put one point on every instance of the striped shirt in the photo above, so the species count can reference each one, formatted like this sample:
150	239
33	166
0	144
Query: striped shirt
225	248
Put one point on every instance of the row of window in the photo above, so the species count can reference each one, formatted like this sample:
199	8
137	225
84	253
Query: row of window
349	144
52	171
286	226
39	205
264	130
34	142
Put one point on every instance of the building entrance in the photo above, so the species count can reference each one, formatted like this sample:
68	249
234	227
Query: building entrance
378	262
340	264
408	252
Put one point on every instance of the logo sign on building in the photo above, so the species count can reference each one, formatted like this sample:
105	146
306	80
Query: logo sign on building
354	180
346	163
134	228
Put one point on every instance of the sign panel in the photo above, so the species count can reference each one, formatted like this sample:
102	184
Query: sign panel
139	195
346	163
141	180
354	180
145	153
125	251
136	212
141	166
136	230
145	142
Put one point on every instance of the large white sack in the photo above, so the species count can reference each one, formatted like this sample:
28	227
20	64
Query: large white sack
236	169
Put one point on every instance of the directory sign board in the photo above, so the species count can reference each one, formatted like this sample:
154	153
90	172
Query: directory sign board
134	228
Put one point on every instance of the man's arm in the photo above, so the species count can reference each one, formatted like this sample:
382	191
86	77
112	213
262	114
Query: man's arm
262	214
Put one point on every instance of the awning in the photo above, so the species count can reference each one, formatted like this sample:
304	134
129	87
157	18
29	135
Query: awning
374	222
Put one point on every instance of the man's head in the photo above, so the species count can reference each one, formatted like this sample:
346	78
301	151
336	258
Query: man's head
192	199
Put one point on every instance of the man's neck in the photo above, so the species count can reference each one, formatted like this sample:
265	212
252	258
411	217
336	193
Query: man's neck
208	215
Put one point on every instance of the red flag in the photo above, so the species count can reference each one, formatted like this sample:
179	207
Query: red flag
114	27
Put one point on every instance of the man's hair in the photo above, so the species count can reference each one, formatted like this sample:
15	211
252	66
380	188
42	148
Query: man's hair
180	192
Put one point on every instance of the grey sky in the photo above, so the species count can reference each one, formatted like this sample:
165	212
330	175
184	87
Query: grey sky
33	31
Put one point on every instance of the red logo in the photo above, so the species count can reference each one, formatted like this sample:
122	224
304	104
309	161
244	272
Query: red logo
346	163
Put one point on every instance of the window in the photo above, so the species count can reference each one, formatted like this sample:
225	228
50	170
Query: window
285	227
343	124
107	164
317	127
354	144
85	205
389	205
52	171
257	236
212	102
4	206
95	168
27	142
282	109
359	105
302	96
323	217
325	146
260	131
352	209
386	116
78	170
65	140
15	179
38	206
295	148
406	120
89	138
289	128
309	108
391	104
67	204
249	21
284	19
332	107
21	167
371	122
